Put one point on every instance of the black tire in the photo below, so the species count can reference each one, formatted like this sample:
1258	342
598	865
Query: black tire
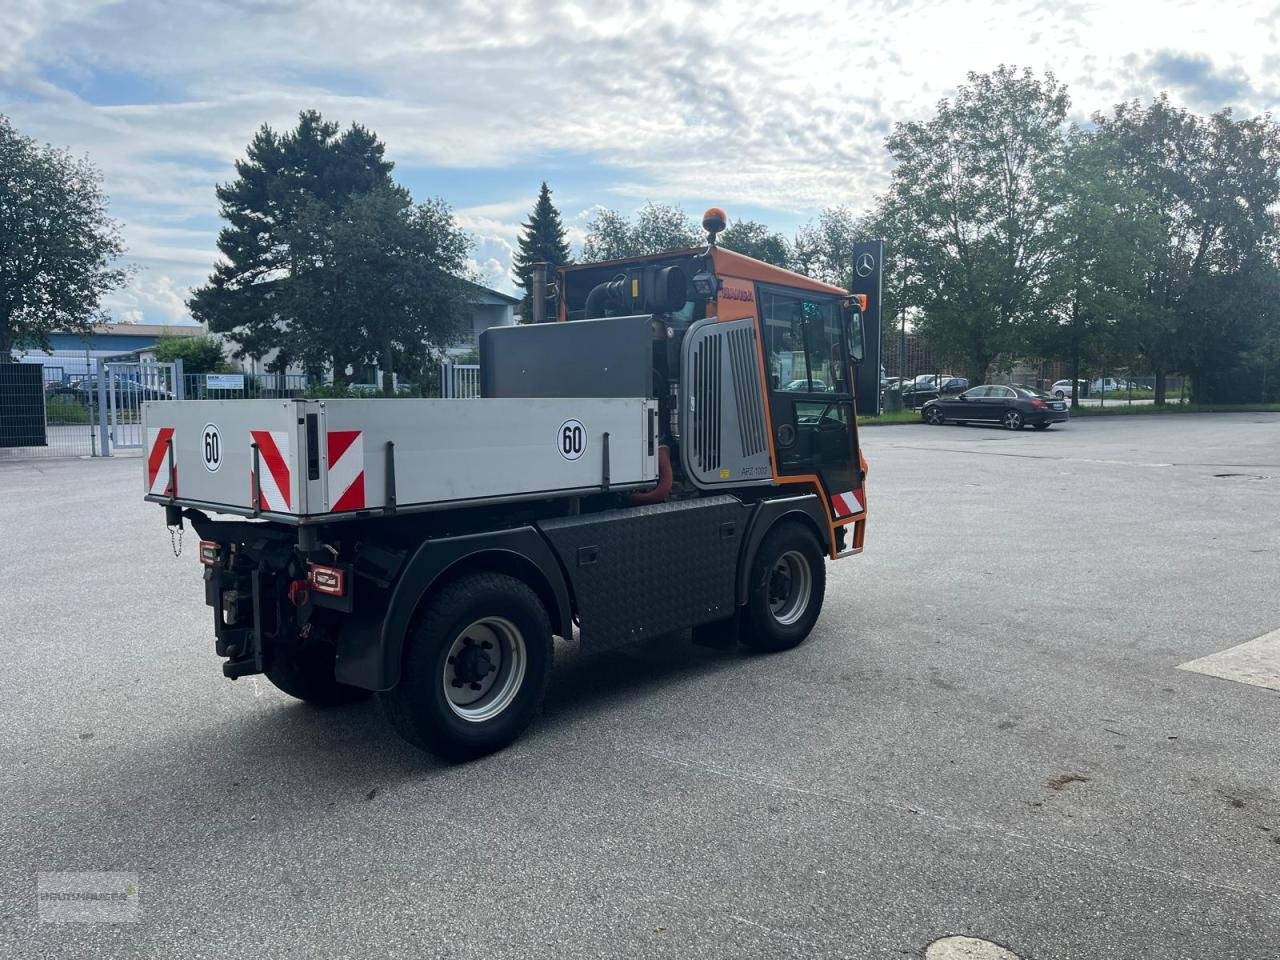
771	622
933	416
1060	395
304	670
1012	419
1041	426
420	707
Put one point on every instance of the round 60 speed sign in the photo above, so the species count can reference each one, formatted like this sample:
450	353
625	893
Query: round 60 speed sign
571	440
212	447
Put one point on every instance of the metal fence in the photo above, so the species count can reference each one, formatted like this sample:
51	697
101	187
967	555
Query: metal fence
460	381
47	406
121	387
76	404
1098	387
244	386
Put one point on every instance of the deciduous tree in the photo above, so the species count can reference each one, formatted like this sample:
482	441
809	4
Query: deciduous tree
1216	183
972	186
59	250
657	228
754	239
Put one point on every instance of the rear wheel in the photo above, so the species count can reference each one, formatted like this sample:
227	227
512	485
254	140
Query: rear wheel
788	583
304	669
1012	420
934	416
475	670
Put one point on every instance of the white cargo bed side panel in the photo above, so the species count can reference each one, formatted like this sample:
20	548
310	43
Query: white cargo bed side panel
213	444
452	451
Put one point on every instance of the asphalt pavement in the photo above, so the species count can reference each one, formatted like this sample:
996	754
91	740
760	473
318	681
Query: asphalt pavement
986	736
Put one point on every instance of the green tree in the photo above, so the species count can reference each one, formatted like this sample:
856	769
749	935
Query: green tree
1216	183
754	239
59	250
387	278
201	354
609	237
542	240
657	228
1106	234
973	188
824	248
311	168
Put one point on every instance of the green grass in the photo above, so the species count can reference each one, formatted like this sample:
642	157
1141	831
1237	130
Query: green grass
885	419
1119	410
1120	396
1124	410
64	410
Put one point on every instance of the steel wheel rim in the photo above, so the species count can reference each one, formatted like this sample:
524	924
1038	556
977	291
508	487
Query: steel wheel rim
1012	420
790	586
495	646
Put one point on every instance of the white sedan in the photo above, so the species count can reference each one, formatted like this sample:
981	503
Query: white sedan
1062	389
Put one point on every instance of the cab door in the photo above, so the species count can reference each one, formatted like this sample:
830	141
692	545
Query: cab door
810	390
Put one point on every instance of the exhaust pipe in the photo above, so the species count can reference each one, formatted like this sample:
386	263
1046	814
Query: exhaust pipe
538	291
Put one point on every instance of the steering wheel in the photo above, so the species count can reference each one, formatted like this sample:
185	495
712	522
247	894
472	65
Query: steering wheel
822	419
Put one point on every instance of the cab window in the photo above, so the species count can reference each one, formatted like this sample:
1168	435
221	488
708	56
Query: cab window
804	345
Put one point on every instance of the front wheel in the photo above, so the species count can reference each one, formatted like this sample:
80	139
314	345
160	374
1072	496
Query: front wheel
1012	420
788	583
933	416
475	669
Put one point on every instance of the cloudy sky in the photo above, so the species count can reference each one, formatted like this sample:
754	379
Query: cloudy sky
773	110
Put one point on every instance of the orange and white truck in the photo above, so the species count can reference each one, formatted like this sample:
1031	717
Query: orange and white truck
675	447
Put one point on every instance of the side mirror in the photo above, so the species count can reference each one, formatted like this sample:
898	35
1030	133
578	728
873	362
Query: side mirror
853	323
961	397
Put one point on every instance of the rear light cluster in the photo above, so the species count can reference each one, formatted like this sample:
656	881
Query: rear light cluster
1038	403
327	580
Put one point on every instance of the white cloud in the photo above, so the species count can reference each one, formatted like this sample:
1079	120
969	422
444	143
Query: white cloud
153	298
772	105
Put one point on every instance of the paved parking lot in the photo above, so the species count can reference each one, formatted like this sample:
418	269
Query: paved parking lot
986	735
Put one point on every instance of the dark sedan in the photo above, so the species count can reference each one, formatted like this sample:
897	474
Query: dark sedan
924	388
1011	407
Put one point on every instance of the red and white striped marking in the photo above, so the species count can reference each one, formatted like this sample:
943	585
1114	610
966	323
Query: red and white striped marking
158	462
848	503
274	484
346	470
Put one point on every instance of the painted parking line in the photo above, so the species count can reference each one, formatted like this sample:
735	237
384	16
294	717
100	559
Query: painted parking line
1256	662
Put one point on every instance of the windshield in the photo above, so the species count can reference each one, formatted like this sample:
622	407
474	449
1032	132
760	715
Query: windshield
804	343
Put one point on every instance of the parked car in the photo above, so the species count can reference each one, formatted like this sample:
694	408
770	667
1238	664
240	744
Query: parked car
1062	388
806	386
128	393
928	386
1011	407
1112	385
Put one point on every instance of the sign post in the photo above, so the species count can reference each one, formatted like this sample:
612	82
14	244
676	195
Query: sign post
868	270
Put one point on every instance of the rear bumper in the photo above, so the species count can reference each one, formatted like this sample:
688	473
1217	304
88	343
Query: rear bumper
1049	416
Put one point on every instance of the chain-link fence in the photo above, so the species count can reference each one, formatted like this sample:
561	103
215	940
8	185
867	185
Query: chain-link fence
1095	387
913	373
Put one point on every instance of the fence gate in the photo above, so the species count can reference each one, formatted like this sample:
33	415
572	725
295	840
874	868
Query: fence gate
460	381
126	386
